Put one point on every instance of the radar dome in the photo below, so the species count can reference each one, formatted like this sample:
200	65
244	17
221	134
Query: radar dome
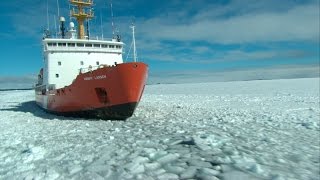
71	25
62	19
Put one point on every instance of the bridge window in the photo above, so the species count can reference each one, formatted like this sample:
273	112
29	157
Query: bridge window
88	45
71	44
111	46
52	44
104	45
80	44
118	47
96	45
62	44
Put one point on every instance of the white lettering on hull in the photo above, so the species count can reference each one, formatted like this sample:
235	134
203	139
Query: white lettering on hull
96	77
87	78
100	77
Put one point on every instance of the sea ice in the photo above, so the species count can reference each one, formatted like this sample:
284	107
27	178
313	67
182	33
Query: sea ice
224	130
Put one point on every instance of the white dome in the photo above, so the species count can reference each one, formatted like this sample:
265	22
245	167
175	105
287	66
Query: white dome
62	19
71	25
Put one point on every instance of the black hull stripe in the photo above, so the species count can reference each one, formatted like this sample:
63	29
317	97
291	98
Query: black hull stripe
117	112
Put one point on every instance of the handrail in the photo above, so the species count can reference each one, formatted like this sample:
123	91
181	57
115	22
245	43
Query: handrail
92	68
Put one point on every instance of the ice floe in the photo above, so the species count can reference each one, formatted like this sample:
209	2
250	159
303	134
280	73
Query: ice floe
224	130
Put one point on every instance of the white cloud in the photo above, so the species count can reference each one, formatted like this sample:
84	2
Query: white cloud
16	82
280	72
260	54
240	21
189	53
300	23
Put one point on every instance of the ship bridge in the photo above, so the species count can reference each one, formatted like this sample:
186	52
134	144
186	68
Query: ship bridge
64	59
77	45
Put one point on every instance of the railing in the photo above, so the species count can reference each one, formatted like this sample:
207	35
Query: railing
88	50
77	13
92	68
92	37
88	2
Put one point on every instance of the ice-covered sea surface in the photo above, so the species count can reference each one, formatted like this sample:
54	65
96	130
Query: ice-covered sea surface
228	130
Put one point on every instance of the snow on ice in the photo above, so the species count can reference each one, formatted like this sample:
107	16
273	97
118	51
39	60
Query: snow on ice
224	130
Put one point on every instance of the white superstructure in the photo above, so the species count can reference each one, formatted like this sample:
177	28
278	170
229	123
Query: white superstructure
64	59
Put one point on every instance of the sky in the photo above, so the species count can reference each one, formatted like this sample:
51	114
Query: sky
174	37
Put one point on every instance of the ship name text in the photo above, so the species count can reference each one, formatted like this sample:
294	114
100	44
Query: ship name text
95	77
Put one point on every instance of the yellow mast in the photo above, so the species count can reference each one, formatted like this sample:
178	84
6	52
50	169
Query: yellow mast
81	14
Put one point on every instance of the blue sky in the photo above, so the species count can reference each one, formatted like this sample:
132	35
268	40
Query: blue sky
178	36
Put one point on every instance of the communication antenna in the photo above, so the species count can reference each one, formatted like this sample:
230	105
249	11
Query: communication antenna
101	24
55	25
58	15
48	25
112	18
70	17
58	8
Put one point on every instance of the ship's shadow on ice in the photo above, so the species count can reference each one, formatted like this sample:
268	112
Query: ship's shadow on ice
34	109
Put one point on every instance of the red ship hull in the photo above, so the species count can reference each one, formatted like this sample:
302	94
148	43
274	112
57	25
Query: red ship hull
105	93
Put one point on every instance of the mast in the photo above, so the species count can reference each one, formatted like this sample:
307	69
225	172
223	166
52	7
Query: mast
112	24
134	44
82	14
